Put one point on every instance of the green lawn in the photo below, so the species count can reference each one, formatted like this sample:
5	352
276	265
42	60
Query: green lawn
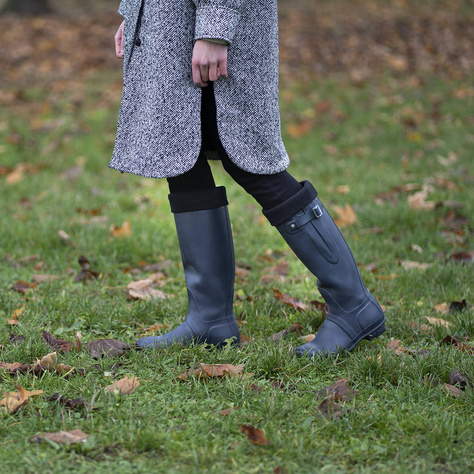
370	144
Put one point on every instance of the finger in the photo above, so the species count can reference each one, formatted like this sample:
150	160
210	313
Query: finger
197	76
204	69
223	68
213	72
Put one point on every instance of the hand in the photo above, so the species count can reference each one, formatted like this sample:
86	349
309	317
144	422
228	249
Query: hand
209	62
119	41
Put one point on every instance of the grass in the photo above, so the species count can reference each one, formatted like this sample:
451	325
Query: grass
366	136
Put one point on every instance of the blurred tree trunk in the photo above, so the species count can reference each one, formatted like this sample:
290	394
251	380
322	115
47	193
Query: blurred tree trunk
27	7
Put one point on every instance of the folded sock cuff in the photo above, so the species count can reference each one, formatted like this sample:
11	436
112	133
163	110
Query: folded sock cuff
287	209
198	200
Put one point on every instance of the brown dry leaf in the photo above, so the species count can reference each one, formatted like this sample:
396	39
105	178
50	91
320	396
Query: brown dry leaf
206	371
347	216
307	338
293	302
125	230
330	409
13	401
64	235
340	391
106	347
15	367
387	277
418	200
410	265
50	362
74	404
423	328
254	435
154	327
320	306
451	390
281	334
442	308
38	278
16	314
457	306
61	437
23	286
143	289
452	341
438	322
78	341
396	347
86	272
463	257
59	344
124	386
460	380
226	412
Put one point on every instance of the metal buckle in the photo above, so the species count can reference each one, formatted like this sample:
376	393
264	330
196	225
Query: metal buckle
317	212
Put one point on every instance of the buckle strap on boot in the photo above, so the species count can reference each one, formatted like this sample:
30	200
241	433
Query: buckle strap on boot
299	221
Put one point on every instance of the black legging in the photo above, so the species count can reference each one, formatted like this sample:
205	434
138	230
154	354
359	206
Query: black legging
268	190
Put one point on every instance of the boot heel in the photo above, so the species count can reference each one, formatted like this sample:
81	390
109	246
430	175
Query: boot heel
376	332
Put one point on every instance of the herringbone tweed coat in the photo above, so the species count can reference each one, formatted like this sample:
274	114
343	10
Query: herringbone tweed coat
159	124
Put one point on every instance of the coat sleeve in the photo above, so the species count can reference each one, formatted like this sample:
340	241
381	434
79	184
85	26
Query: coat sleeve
217	18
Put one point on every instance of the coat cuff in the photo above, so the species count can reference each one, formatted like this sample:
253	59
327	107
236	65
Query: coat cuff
216	22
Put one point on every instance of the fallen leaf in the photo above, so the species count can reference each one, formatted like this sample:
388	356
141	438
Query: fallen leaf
330	409
421	327
410	265
15	367
293	302
13	321
320	306
340	391
86	272
50	362
442	308
78	341
58	344
418	200
438	322
458	306
23	286
38	278
254	435
206	371
64	235
282	334
226	412
347	216
451	390
61	437
460	380
124	386
154	327
17	339
106	347
125	230
452	341
463	257
143	289
307	338
74	404
13	401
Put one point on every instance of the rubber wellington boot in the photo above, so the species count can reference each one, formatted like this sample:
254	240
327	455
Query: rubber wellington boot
205	241
353	313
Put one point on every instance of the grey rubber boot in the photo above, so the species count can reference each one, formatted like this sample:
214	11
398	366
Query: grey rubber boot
207	252
353	313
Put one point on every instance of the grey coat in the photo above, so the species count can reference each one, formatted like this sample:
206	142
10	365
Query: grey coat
159	124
